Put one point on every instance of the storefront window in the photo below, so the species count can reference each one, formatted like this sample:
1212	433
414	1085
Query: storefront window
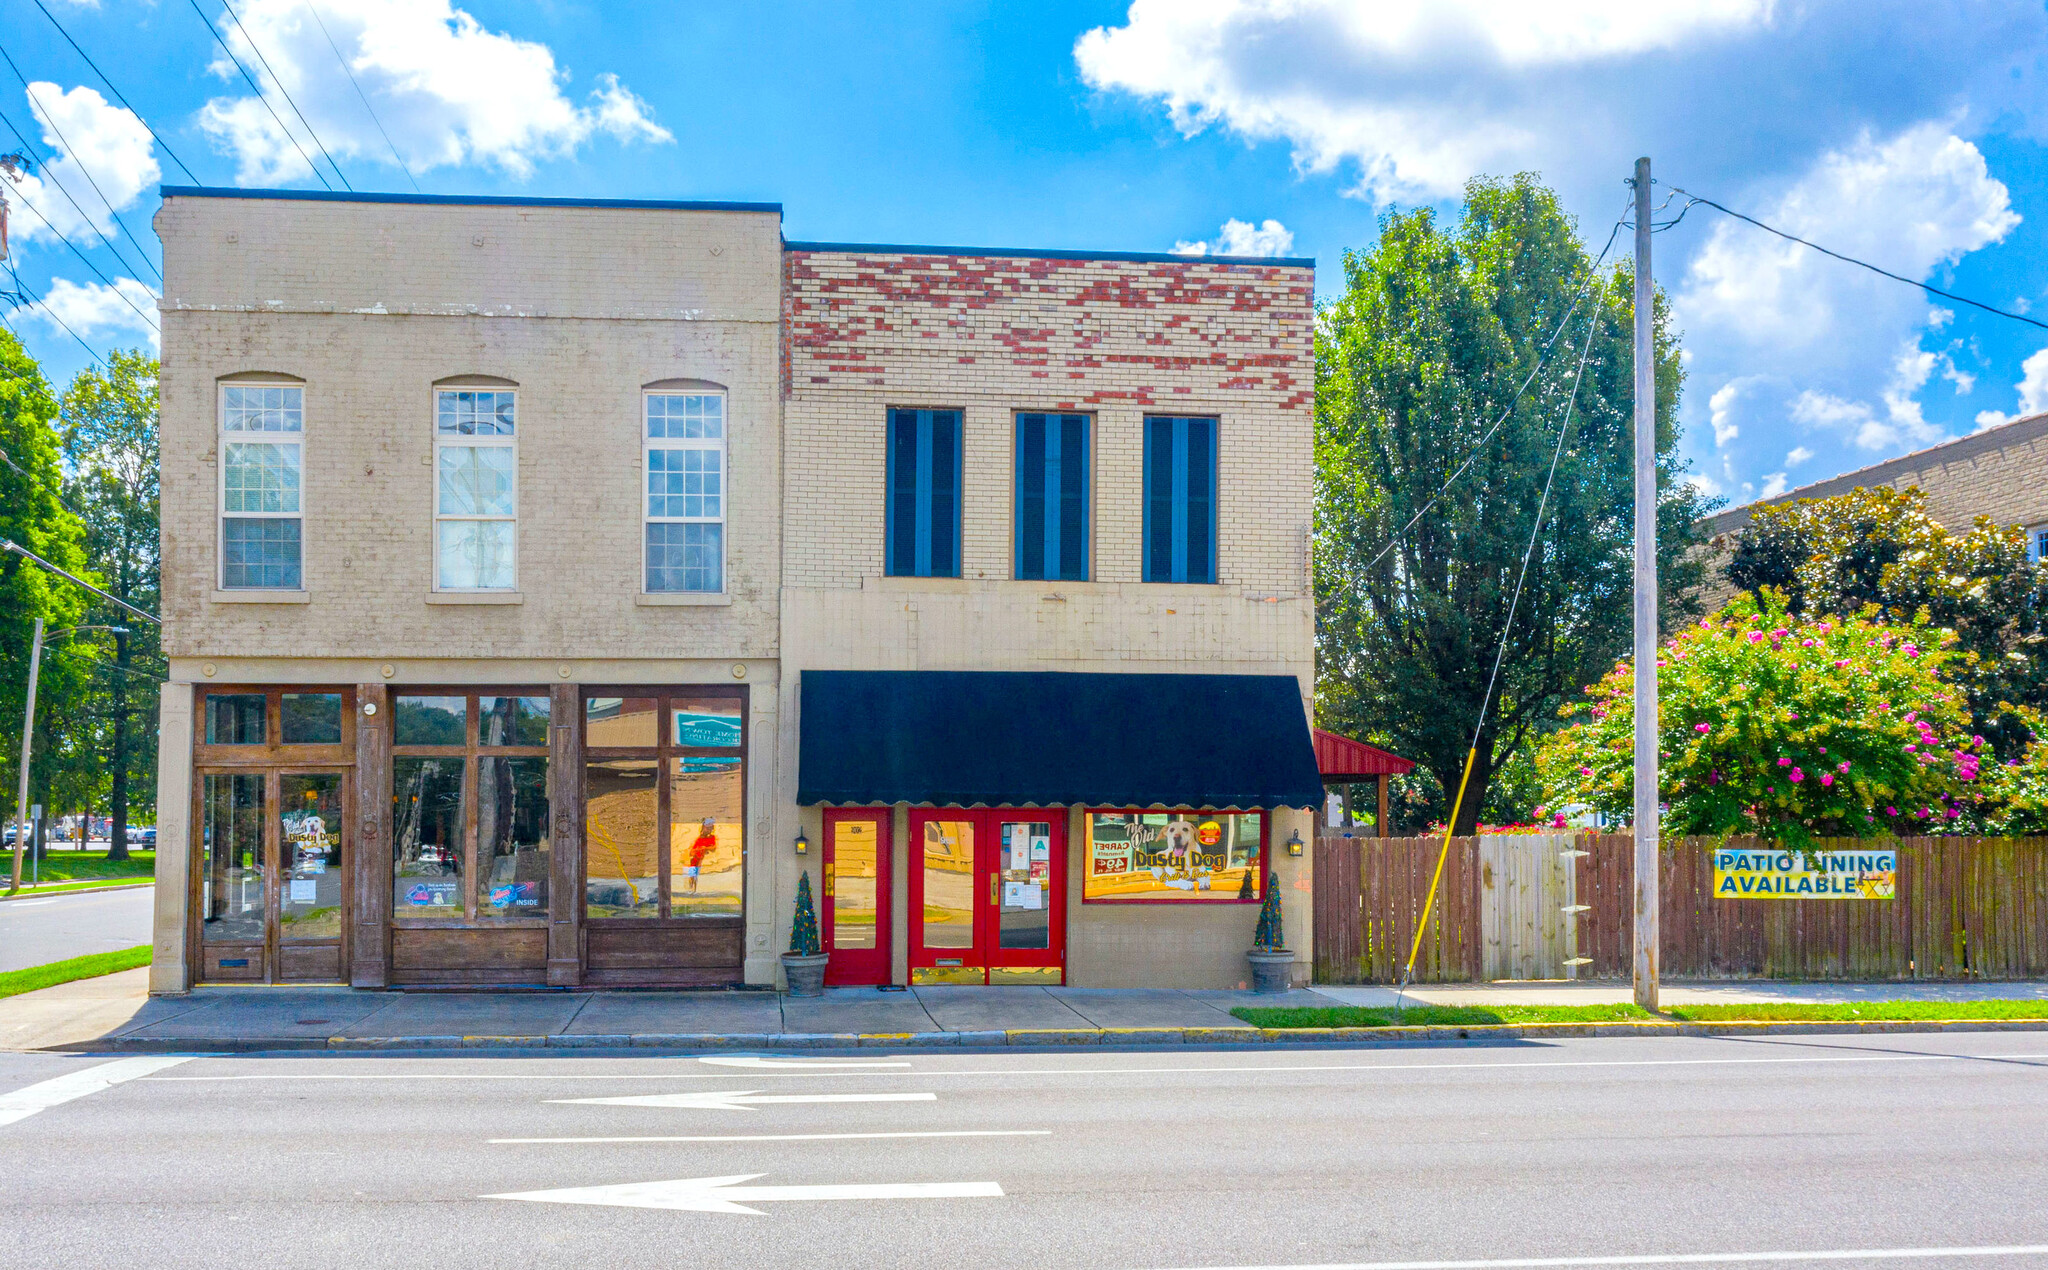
470	801
310	881
234	718
311	718
1174	855
231	870
665	805
426	836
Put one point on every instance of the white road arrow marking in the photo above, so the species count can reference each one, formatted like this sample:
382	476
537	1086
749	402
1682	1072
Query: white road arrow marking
722	1194
749	1060
740	1100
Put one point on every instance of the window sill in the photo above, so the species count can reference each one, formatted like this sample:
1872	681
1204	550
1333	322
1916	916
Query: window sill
475	597
682	599
254	596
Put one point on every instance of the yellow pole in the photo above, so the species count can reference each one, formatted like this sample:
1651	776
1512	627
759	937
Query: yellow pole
1450	826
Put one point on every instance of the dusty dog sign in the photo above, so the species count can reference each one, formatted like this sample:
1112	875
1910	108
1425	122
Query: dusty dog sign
1742	873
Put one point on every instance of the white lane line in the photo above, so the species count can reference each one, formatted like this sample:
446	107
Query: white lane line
809	1064
25	1102
1676	1259
1158	1071
721	1194
797	1137
14	904
740	1099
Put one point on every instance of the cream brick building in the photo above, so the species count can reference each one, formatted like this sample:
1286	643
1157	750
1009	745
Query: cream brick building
505	540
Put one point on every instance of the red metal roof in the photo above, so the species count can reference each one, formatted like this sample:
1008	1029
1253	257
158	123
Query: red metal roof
1339	758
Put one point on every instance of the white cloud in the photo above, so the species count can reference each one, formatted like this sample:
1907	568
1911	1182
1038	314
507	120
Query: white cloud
2033	389
1241	238
1774	485
93	309
1798	455
92	138
1418	94
1912	203
1898	427
446	89
1722	404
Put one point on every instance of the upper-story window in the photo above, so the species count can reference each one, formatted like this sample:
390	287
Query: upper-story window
1052	497
2037	543
923	503
476	490
1180	499
260	461
686	495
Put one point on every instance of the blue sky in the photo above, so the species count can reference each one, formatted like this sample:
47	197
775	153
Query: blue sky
1909	134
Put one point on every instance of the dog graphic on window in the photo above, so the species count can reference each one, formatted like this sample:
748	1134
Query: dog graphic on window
1179	853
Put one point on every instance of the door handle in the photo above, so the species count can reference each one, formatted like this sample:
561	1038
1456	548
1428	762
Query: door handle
994	890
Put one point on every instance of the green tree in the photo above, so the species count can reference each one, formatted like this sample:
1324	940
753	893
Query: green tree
1788	728
110	441
1880	547
1435	333
33	515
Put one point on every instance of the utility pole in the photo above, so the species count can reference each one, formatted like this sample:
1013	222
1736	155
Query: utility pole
1646	604
28	722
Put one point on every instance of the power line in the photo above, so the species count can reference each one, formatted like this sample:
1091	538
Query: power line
1591	276
275	78
82	214
310	8
19	550
51	122
117	93
1930	288
22	287
88	264
257	89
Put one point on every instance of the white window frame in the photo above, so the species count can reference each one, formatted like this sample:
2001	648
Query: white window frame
224	437
447	441
649	443
2035	534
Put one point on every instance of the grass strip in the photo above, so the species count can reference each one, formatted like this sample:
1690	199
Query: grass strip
66	888
1860	1012
91	966
61	864
1436	1015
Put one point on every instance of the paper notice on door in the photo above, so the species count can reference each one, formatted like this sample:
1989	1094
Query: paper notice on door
1022	895
1041	849
305	891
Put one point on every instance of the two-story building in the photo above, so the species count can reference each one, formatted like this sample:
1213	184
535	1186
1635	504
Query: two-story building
549	584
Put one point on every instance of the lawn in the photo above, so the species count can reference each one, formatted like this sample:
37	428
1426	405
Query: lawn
1472	1015
62	864
1437	1015
15	982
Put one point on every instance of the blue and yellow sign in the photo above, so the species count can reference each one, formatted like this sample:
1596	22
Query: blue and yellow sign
1742	873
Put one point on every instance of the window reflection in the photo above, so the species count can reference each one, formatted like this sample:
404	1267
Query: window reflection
231	873
853	883
426	836
948	863
310	881
311	718
234	718
429	720
706	851
621	721
511	836
620	860
512	721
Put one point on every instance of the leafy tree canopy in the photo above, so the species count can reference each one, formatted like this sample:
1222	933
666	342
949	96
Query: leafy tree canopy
1436	331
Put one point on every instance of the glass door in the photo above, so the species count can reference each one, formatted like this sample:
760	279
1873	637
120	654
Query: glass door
855	906
988	896
312	879
273	877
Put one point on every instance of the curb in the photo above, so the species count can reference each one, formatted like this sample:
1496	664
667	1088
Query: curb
1039	1038
30	892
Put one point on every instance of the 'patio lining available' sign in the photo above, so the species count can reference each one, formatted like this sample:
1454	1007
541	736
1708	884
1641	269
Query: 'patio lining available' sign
1745	874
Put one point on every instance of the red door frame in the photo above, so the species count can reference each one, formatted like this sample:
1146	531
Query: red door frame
857	966
1016	965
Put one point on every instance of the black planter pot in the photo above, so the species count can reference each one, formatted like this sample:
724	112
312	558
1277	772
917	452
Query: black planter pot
806	975
1272	969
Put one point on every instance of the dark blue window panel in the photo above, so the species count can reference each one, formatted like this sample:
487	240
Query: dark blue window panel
260	554
1180	499
1052	497
922	517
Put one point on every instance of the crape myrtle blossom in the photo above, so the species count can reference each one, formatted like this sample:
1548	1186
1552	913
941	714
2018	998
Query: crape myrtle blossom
1753	700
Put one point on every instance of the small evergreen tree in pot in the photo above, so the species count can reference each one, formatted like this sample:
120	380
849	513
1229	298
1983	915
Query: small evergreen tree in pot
1271	961
804	964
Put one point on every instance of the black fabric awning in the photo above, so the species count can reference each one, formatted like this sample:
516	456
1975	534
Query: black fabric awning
996	738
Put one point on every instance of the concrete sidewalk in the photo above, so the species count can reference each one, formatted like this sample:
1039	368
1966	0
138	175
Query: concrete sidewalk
116	1014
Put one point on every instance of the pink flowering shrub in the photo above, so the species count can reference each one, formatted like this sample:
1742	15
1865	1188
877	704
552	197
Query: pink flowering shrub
1790	730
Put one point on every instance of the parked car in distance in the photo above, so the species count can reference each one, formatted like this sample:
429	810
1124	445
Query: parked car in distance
142	835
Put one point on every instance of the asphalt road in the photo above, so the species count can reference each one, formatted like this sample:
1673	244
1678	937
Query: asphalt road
1177	1158
45	928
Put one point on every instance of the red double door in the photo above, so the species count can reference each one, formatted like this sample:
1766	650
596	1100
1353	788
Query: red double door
988	896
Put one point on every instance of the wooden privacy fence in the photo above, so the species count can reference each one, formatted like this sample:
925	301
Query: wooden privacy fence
1964	908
